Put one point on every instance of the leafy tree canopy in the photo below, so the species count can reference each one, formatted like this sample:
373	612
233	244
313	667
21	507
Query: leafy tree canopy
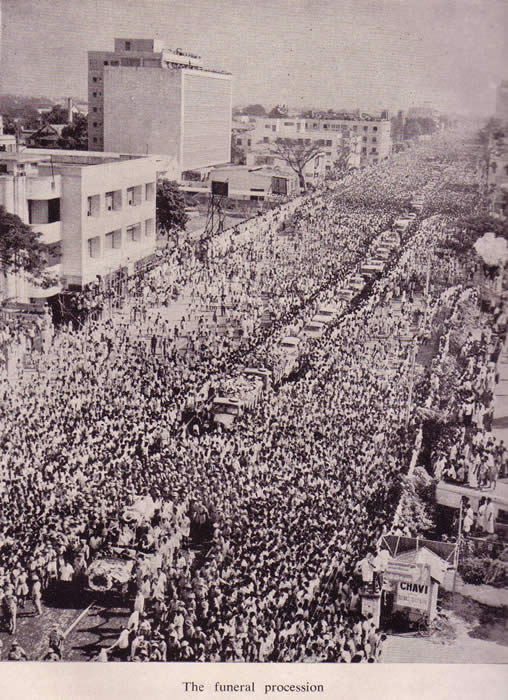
256	110
20	247
75	135
58	115
296	155
170	206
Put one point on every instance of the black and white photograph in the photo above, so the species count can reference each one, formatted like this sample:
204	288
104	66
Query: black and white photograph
253	336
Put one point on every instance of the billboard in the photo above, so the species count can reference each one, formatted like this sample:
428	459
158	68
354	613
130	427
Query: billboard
415	594
220	188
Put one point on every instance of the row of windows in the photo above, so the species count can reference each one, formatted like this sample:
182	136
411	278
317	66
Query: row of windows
94	63
114	199
113	239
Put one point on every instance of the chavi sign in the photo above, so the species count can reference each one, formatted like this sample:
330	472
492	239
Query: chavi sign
413	595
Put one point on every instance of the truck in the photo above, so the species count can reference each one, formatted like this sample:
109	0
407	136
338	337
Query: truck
238	394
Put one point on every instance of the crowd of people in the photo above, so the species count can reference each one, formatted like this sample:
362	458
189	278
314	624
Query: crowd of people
291	499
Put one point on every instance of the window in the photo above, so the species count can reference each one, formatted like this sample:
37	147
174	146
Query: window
374	128
364	139
239	141
355	128
265	139
376	160
106	63
93	205
95	139
325	126
113	240
134	232
94	247
113	200
43	211
289	123
364	151
274	127
127	45
248	142
53	253
134	196
374	139
506	169
365	128
114	63
328	142
267	126
94	94
95	109
94	79
92	63
150	191
95	124
149	227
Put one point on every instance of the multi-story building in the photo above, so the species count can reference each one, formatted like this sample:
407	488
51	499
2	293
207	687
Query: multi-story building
7	141
502	101
498	175
95	211
367	141
144	98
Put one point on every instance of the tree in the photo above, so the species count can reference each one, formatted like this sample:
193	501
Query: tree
296	155
75	135
278	111
170	208
412	128
57	115
256	110
20	247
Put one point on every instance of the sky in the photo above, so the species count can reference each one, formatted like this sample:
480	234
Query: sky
367	54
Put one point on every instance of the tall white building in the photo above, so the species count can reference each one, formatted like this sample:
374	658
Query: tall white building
368	141
95	211
502	101
144	98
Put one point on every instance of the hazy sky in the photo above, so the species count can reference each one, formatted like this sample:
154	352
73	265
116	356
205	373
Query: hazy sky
329	53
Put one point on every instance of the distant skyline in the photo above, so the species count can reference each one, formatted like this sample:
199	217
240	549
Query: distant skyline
337	54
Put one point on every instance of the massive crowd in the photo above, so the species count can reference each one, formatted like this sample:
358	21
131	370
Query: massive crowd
293	497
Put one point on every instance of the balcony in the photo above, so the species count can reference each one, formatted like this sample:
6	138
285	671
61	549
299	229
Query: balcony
51	233
46	187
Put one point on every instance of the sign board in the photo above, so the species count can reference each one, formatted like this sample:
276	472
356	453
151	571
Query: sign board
414	595
220	188
399	571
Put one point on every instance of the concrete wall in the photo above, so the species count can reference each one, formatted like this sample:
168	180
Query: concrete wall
142	110
78	227
206	119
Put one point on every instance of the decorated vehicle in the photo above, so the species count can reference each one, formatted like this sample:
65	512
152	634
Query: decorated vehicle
109	575
313	329
326	314
236	395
